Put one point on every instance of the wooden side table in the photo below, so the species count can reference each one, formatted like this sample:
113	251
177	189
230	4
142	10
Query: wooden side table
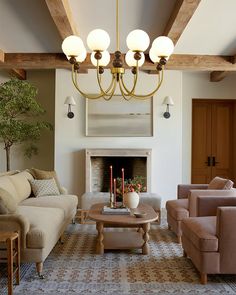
12	241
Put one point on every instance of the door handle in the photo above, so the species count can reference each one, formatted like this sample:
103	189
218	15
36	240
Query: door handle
214	162
208	162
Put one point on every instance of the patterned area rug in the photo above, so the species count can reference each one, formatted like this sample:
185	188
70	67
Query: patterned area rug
73	268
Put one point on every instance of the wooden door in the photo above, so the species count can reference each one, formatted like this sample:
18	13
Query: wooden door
212	140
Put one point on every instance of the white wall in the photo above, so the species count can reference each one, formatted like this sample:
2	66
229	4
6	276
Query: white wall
45	82
197	85
166	144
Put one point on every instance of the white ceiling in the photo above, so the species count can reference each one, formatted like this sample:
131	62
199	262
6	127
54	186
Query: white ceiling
26	25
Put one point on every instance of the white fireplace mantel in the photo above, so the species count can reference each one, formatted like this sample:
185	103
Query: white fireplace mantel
89	153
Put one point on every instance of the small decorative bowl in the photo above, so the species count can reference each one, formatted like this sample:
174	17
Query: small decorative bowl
140	214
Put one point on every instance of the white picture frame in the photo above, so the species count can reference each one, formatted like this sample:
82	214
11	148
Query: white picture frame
119	118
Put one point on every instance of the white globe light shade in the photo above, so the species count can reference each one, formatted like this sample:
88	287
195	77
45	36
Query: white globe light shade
138	40
163	46
98	40
81	57
72	45
131	61
104	61
153	56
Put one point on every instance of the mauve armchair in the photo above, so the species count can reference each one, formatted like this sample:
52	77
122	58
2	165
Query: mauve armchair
209	239
179	209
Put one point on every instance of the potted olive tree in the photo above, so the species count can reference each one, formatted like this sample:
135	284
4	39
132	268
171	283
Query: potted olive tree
18	112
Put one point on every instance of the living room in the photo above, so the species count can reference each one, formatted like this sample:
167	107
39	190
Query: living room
64	148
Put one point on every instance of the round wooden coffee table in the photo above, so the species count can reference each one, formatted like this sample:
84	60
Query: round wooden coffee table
119	240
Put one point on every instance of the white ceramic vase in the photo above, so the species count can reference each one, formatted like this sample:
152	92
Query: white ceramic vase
131	200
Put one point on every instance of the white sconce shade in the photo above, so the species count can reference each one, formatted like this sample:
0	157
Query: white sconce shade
163	46
168	101
131	62
72	45
98	40
70	101
104	61
137	40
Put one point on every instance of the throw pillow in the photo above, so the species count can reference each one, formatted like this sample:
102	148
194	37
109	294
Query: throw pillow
44	187
43	174
8	204
220	183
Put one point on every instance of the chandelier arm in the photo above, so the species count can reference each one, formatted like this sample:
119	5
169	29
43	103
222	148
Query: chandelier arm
99	79
160	80
74	80
126	96
112	92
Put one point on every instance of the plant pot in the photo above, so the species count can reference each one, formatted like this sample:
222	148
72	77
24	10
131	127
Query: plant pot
131	200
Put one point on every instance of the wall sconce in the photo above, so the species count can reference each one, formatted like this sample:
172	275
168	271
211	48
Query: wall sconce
168	101
70	101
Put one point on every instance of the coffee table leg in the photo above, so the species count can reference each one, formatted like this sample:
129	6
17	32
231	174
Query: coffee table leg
145	248
100	246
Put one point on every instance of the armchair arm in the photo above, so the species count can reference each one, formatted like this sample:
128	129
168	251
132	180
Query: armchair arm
15	222
226	233
205	202
184	189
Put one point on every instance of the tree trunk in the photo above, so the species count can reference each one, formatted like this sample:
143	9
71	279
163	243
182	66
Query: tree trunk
7	148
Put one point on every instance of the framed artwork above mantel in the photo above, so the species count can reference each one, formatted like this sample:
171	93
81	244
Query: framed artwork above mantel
119	118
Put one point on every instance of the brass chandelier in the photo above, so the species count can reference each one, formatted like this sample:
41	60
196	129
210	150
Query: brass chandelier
98	41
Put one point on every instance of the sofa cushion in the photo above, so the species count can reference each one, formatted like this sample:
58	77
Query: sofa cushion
6	184
44	225
68	203
201	231
220	183
44	187
21	183
178	209
43	174
8	204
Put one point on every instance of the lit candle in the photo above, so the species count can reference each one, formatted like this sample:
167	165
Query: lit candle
111	177
123	181
115	192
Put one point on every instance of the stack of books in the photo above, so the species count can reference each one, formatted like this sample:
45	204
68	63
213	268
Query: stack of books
115	211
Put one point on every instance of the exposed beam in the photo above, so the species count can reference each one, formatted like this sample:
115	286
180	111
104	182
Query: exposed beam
176	62
62	17
18	73
2	54
218	76
181	15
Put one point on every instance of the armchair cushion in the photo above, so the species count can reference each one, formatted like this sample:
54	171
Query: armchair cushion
201	231
220	183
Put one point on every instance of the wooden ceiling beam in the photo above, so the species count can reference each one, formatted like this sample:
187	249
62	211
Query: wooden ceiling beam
218	76
2	55
61	14
18	73
180	62
181	15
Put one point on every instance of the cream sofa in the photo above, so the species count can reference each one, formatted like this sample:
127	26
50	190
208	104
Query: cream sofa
40	221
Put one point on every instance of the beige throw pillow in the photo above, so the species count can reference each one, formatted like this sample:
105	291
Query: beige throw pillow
8	204
44	187
43	174
219	183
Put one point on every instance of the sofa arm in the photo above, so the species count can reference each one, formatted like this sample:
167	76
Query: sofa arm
184	189
205	202
226	233
15	222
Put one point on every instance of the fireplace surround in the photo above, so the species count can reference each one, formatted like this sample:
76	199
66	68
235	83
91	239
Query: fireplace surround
134	161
